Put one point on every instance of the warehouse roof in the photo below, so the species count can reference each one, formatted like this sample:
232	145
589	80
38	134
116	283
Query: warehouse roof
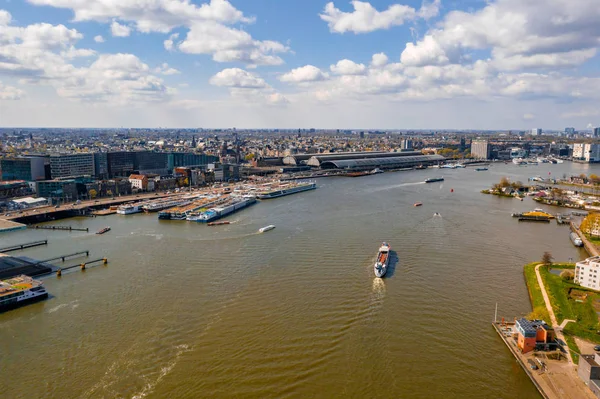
385	162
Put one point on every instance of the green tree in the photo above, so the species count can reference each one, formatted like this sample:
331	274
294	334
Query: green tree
567	275
547	258
93	193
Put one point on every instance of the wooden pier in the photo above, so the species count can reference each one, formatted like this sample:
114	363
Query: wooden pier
18	247
62	228
82	266
64	257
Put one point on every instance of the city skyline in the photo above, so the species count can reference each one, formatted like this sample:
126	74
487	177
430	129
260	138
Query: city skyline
382	64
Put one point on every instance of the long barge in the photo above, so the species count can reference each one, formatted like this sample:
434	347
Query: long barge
223	210
181	212
281	189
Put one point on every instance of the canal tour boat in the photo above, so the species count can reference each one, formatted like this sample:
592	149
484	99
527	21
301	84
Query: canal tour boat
20	290
383	258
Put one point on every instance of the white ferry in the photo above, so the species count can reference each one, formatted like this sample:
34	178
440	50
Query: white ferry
20	290
128	209
281	190
266	228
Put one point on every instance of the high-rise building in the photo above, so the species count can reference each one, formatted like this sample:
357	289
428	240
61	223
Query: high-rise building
569	130
597	132
71	165
536	132
101	165
586	152
406	144
481	149
120	163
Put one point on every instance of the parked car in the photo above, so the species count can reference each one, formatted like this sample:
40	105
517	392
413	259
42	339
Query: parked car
597	348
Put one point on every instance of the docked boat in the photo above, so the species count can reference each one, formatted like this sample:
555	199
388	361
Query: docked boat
220	223
418	204
434	179
104	230
266	228
222	210
20	290
160	205
420	167
448	166
128	209
376	171
576	240
283	189
383	258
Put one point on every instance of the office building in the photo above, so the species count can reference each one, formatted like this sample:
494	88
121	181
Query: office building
57	189
589	371
28	169
120	163
586	273
597	132
569	130
407	145
536	132
151	162
176	159
101	165
481	149
71	165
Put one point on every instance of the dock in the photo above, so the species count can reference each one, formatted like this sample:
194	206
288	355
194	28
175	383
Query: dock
554	378
524	218
104	212
7	225
61	228
18	247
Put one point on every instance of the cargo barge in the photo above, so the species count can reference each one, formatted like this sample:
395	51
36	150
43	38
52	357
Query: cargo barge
220	211
281	189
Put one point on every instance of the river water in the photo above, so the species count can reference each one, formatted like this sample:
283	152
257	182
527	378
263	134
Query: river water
184	310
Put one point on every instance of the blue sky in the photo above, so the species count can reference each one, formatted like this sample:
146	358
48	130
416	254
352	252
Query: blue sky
498	64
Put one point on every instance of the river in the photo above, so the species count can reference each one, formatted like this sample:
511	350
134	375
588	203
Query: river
184	310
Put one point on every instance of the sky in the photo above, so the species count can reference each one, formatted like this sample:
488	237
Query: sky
383	64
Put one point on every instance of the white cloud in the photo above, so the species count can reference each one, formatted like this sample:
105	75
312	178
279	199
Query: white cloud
170	42
208	31
236	77
98	39
379	60
165	69
347	67
528	117
365	18
520	34
307	73
9	92
150	15
231	45
41	54
118	30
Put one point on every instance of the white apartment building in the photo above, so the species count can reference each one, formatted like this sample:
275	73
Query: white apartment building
586	273
586	152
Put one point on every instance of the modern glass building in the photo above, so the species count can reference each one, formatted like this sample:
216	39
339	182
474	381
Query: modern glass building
71	165
121	163
28	169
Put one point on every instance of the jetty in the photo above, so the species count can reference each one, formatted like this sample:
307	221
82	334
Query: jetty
18	247
62	228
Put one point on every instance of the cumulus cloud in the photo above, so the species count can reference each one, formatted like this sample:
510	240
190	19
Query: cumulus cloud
41	54
347	67
165	69
118	30
366	18
519	34
10	92
230	45
307	73
239	78
208	32
379	60
98	39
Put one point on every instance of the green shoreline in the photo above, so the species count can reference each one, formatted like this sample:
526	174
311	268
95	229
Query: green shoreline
586	325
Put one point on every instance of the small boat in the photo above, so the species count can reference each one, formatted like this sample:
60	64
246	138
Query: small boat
383	258
437	214
418	204
576	240
104	230
266	228
480	169
218	223
434	179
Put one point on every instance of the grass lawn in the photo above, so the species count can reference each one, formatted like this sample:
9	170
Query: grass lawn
535	294
570	301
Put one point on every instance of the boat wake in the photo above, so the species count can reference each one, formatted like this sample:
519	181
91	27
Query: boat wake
73	305
398	186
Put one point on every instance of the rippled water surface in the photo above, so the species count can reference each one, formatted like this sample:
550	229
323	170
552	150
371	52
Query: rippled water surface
184	310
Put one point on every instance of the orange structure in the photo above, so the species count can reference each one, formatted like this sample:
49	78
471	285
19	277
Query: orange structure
531	333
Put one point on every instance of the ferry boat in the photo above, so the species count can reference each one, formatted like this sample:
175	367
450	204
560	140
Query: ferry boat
128	209
434	179
104	230
280	191
383	258
266	228
222	210
575	239
20	290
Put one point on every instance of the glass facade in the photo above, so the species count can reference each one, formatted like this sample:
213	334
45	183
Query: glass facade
71	165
